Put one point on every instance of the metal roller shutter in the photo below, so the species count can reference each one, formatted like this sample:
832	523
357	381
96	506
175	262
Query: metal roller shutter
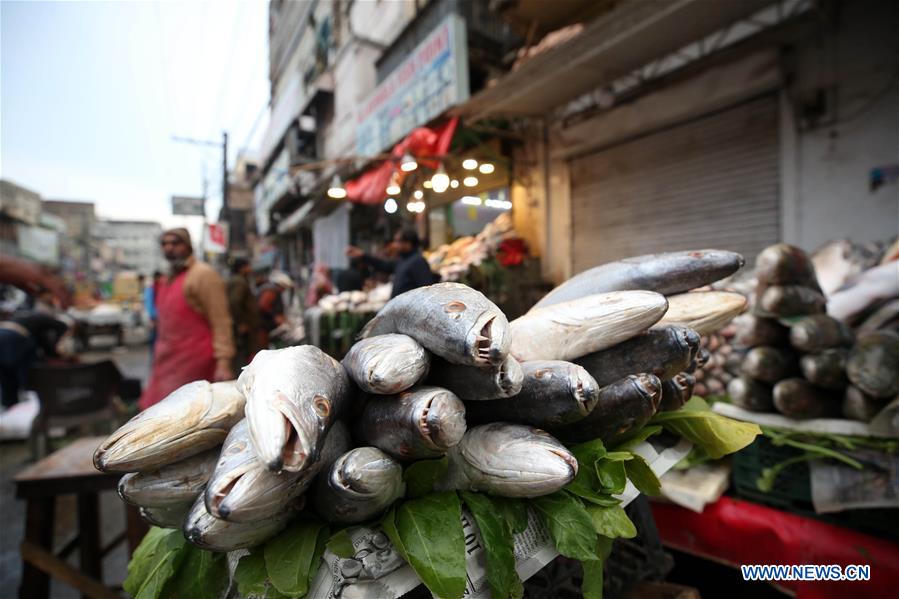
711	182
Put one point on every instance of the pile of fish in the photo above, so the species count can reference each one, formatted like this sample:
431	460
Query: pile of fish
806	363
438	372
453	261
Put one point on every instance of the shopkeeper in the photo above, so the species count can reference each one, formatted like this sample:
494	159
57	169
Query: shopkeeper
409	271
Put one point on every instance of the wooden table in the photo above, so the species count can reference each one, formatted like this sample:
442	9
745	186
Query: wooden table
68	471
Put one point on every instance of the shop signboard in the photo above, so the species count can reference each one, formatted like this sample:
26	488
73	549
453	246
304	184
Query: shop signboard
433	78
188	206
38	244
215	238
274	184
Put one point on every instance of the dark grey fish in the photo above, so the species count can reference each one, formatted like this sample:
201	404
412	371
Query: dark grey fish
622	408
770	364
784	301
421	423
701	359
386	364
784	264
873	364
663	352
857	405
826	369
553	393
208	532
751	394
798	398
472	384
175	484
360	484
451	320
170	516
813	334
676	392
668	273
752	331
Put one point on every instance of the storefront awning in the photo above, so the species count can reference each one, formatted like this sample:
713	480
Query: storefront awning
608	48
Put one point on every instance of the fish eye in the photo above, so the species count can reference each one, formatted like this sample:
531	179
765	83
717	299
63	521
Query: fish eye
236	448
455	307
322	406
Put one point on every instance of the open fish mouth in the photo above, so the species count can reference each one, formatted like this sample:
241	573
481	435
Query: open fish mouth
569	459
423	426
483	343
215	502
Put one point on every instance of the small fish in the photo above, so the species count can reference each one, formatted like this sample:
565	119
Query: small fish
783	264
190	420
421	423
293	397
474	384
451	320
784	301
668	274
508	460
703	311
857	405
676	392
173	484
702	358
569	330
663	352
242	489
170	516
770	364
798	398
750	394
826	369
873	364
866	291
622	408
552	393
813	334
360	484
208	532
386	364
752	330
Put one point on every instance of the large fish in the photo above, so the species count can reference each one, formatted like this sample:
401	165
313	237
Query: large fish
208	532
864	292
784	301
170	516
663	352
676	392
750	394
360	484
472	383
509	460
826	369
703	311
386	364
798	398
242	489
552	393
174	484
783	264
569	330
451	320
873	364
752	330
813	334
190	420
293	397
770	364
622	408
421	423
668	273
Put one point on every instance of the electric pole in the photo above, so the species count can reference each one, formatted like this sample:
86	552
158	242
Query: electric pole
226	211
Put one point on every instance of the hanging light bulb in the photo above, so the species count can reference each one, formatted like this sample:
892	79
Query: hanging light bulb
486	168
390	206
454	183
408	164
418	194
411	206
393	188
469	164
440	181
336	190
427	184
470	181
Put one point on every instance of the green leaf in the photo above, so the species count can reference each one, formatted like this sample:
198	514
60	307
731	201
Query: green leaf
716	434
589	452
611	522
155	562
591	587
592	496
430	530
421	476
250	574
388	524
612	477
618	456
569	525
288	556
202	575
341	545
316	562
499	549
514	512
641	435
640	473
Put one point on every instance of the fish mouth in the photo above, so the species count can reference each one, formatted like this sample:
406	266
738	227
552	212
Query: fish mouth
508	379
585	393
650	387
215	497
423	426
489	343
439	424
569	460
296	449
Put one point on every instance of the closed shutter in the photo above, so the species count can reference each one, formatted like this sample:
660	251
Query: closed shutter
709	183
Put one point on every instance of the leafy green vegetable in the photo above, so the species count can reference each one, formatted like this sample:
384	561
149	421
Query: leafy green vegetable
496	535
288	556
514	512
717	435
696	456
250	574
155	562
430	530
388	524
591	587
594	497
315	564
421	476
569	525
612	476
618	456
201	575
340	544
611	522
639	436
640	473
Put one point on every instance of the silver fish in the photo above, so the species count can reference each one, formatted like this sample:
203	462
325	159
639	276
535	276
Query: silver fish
864	292
471	383
703	311
171	516
667	273
174	484
361	484
417	424
242	489
192	419
451	320
509	460
293	397
569	330
386	364
208	532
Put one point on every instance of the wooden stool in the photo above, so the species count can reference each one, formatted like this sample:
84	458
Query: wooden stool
68	471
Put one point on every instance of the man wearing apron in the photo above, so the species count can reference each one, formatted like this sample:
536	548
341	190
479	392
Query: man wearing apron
193	339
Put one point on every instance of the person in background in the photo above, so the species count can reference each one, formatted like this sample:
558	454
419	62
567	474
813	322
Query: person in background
149	297
194	325
352	278
244	313
319	285
409	271
271	303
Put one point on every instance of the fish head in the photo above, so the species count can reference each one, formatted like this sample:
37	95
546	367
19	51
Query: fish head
365	472
583	388
487	342
649	386
235	474
509	377
199	524
440	418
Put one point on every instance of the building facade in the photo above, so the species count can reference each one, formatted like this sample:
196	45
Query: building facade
23	231
75	244
128	246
